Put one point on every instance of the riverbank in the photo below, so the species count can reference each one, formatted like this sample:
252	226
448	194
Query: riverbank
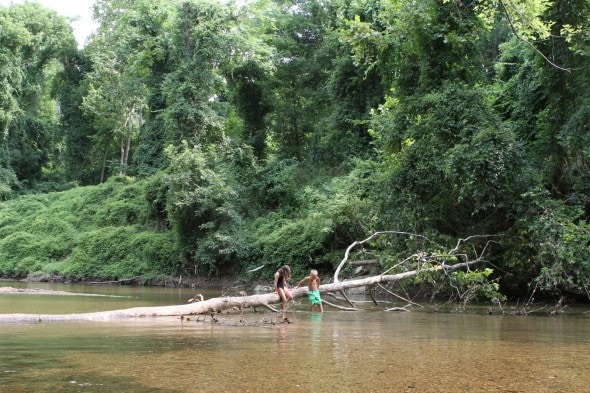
39	291
228	282
224	284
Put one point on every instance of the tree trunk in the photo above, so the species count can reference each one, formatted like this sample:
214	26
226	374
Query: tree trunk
104	164
216	305
122	160
126	139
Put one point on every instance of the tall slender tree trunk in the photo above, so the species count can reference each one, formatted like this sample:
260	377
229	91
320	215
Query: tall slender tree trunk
126	140
125	145
104	163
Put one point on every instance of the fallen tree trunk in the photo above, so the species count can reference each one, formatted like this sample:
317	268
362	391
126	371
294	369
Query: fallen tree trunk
219	304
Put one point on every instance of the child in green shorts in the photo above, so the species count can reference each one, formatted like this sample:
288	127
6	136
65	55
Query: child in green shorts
313	293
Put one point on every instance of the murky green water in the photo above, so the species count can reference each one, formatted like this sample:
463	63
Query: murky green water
369	351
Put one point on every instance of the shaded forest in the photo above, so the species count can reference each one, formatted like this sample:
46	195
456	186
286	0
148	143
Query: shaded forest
211	138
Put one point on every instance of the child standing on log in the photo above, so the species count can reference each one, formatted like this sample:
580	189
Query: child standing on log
282	288
313	292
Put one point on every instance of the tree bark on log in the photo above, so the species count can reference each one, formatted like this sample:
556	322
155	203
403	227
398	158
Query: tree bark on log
216	305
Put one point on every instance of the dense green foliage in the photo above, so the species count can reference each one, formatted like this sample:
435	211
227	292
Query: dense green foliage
103	231
209	137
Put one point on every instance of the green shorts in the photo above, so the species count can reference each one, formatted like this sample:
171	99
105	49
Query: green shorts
314	297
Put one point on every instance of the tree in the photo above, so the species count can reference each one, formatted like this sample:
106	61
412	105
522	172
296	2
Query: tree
299	94
138	33
34	45
127	48
544	96
250	96
80	157
453	170
116	102
202	39
204	206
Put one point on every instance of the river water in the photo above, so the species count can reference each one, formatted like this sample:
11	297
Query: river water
337	351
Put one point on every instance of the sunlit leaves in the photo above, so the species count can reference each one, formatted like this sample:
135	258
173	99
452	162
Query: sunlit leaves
526	17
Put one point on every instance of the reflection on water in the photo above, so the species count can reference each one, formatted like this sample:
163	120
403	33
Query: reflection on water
369	351
112	297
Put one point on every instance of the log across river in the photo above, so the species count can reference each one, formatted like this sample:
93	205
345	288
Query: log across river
218	304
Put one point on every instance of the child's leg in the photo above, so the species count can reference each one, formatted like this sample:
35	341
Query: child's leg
288	297
283	297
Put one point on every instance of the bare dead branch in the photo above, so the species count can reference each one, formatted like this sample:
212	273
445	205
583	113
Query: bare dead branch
356	243
271	308
517	35
339	307
373	295
347	299
404	308
398	296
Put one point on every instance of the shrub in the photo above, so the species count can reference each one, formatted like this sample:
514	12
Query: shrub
122	252
87	232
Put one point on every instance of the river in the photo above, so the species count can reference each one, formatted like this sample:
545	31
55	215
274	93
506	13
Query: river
337	351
